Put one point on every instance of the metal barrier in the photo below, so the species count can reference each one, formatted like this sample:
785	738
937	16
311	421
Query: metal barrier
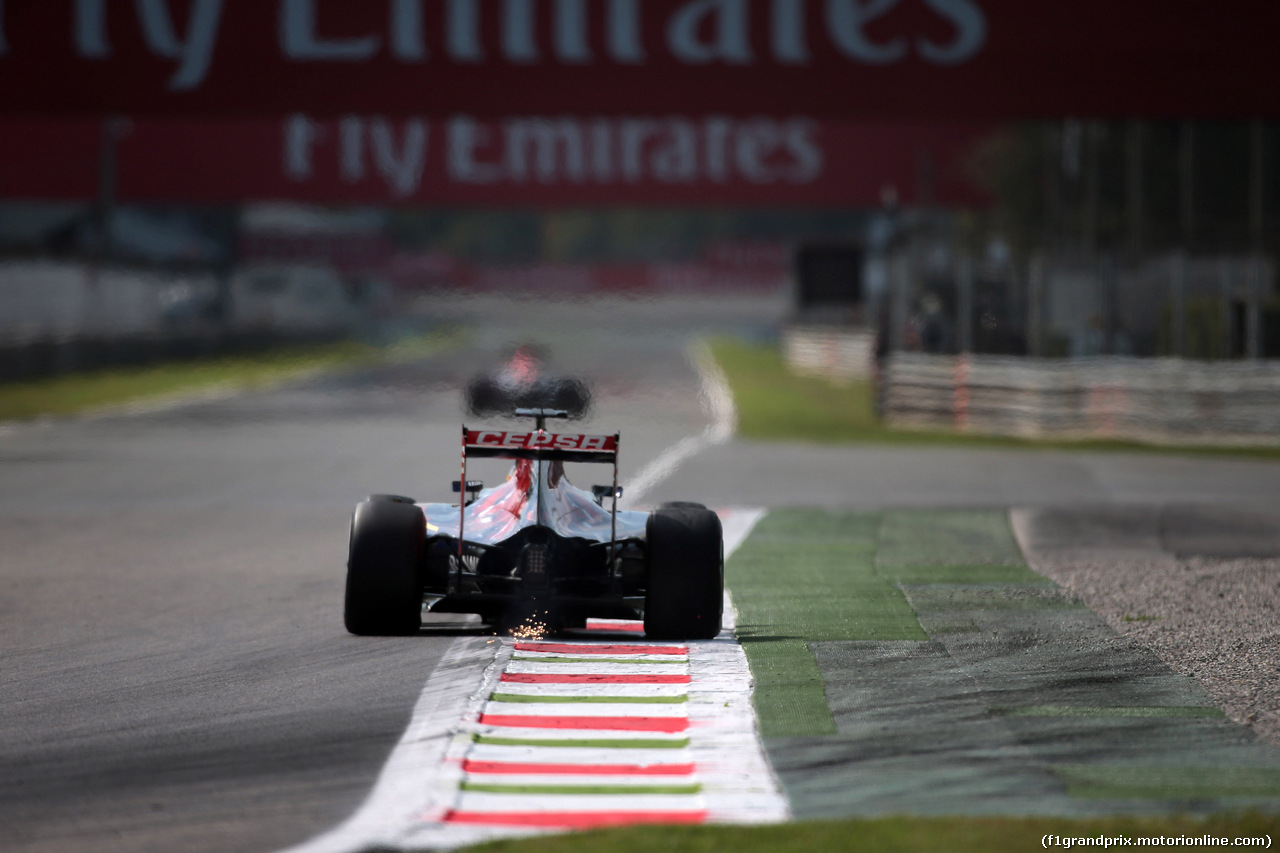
835	352
1162	400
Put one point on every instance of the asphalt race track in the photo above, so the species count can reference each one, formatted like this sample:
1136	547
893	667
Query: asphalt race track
177	675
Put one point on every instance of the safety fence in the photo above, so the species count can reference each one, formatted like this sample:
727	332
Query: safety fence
837	352
67	317
1160	400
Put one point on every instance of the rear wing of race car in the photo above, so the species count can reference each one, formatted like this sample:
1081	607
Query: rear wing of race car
537	445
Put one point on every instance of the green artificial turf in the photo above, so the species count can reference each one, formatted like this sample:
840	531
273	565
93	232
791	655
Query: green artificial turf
806	576
1168	783
1118	711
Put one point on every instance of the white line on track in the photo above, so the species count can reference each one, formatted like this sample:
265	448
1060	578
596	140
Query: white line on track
718	400
417	776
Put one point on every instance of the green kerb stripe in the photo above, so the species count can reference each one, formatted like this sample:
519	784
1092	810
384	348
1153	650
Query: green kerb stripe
580	789
605	743
668	662
522	697
1176	712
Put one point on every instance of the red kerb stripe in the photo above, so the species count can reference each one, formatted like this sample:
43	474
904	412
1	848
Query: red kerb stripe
574	820
605	649
470	766
601	678
631	724
600	625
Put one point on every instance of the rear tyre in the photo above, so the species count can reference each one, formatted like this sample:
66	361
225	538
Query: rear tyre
684	598
384	578
572	396
681	505
485	398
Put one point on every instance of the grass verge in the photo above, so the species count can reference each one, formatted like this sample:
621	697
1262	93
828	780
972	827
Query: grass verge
775	404
81	392
808	576
893	834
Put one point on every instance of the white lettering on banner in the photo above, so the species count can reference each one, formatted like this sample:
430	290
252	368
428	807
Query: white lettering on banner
300	135
624	32
601	153
633	134
518	43
400	164
194	53
549	139
351	149
552	152
515	439
696	32
676	160
90	24
971	32
463	27
755	142
402	170
571	32
300	42
465	136
717	133
729	23
408	41
699	32
847	19
671	151
593	442
799	141
489	437
789	45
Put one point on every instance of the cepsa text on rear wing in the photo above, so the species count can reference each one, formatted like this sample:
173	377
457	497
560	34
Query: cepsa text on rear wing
510	444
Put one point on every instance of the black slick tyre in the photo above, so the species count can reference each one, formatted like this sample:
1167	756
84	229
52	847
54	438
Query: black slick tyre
572	396
485	398
684	597
384	574
681	505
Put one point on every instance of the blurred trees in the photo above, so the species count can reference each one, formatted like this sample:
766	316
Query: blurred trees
1131	188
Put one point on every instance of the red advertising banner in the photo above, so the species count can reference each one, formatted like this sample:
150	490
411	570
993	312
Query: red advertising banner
823	58
466	160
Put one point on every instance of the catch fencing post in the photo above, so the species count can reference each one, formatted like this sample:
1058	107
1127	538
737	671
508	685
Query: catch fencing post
1035	306
1178	305
964	308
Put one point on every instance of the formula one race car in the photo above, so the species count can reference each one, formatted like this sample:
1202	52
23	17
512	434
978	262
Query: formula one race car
535	546
522	382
